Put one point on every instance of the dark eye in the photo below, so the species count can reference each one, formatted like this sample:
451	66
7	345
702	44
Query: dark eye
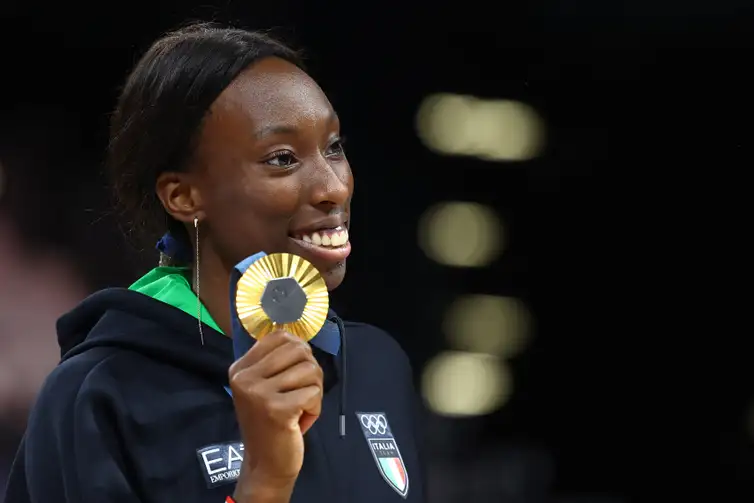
336	148
282	159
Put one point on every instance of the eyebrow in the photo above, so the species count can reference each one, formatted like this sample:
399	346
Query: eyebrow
287	128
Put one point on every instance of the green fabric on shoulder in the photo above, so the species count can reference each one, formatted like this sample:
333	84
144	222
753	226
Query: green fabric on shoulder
171	286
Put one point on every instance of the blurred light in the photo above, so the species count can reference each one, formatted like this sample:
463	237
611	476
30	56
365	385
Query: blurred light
488	324
461	234
465	384
499	130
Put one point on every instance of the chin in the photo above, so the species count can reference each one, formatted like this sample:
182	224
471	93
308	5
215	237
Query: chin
334	277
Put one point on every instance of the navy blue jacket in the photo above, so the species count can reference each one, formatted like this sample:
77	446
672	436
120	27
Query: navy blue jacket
137	411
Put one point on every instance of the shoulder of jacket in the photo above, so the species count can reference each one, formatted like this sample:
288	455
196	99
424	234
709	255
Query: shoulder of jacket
371	338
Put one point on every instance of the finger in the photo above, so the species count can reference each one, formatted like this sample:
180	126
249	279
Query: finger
300	375
312	409
284	357
293	361
302	401
262	348
306	422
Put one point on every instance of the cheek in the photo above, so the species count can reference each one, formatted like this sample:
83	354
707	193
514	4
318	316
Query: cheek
252	196
271	198
252	215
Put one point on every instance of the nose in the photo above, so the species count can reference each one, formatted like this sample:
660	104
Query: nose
331	185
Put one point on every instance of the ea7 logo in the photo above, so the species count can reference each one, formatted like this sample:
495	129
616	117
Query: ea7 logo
221	463
384	450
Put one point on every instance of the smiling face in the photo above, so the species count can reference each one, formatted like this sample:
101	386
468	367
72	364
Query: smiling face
270	173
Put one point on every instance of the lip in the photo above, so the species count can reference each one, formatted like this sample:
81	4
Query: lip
325	224
320	254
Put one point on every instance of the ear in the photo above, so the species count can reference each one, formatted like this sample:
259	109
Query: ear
179	195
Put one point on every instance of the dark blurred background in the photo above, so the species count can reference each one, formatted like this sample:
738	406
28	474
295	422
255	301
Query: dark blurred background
547	216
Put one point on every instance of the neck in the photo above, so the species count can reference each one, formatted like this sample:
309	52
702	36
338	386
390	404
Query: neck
214	289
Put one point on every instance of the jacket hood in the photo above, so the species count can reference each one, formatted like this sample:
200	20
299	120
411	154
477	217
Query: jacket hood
130	320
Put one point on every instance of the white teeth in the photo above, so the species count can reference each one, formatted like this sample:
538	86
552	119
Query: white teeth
329	240
340	238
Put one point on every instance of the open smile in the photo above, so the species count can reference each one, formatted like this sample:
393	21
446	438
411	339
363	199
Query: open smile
329	245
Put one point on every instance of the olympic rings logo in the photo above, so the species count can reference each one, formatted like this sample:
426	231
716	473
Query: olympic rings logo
375	423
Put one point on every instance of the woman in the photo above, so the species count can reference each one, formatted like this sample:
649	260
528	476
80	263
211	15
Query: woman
221	138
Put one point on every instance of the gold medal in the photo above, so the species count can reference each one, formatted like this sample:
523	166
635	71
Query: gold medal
282	291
